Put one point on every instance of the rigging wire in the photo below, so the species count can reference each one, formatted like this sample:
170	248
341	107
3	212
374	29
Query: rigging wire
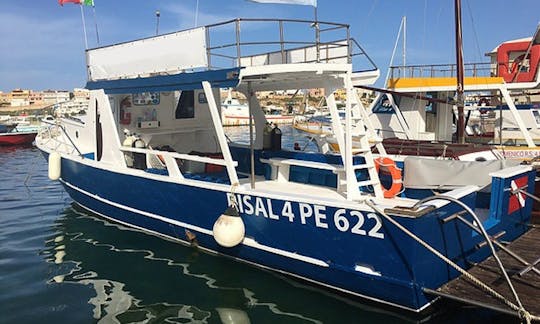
370	12
473	24
424	27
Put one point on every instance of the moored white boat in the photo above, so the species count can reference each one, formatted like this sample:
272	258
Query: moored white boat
324	218
418	107
234	113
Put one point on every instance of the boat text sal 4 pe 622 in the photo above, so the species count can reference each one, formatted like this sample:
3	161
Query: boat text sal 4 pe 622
163	164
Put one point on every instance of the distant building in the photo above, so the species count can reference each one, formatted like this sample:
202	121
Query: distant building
51	97
20	97
23	100
5	98
289	92
319	92
75	106
35	98
81	94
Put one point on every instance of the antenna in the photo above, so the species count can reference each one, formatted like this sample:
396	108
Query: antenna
157	22
197	14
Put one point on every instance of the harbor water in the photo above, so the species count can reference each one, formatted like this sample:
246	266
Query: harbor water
61	264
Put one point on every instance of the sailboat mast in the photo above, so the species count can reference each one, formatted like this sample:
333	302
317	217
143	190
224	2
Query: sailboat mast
404	22
460	72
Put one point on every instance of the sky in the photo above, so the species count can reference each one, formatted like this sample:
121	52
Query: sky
42	43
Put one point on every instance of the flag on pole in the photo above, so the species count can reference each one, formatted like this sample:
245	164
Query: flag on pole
81	2
298	2
61	2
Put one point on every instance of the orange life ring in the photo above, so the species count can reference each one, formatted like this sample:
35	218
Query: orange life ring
395	173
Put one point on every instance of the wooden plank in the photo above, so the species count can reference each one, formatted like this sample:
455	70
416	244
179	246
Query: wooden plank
526	286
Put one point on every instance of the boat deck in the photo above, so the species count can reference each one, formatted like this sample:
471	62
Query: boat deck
527	285
291	189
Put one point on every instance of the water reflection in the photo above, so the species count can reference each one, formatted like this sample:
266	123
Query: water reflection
137	277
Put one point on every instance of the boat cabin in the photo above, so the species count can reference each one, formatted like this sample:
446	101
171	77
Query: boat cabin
164	118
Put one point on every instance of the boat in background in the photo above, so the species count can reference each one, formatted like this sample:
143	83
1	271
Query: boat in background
234	113
14	134
416	105
320	129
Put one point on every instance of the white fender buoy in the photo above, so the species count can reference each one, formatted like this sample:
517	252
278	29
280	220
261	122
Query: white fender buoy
55	162
232	316
229	228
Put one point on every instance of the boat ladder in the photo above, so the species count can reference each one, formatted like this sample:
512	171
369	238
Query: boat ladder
364	135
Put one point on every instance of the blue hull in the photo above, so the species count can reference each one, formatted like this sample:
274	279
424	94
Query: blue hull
352	251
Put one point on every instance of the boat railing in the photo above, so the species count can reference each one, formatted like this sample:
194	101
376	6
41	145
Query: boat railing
171	161
57	134
484	69
234	44
281	43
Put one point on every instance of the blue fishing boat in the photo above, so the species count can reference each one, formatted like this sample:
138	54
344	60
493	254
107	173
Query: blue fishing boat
151	154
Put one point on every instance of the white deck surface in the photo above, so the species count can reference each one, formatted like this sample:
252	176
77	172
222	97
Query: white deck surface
302	191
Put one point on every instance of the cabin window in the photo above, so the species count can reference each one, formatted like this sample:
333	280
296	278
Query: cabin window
186	105
431	113
431	107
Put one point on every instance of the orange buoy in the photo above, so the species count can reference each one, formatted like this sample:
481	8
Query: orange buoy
395	173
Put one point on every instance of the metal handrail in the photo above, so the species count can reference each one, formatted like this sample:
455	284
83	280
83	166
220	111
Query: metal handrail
364	53
438	70
237	48
273	20
65	134
183	156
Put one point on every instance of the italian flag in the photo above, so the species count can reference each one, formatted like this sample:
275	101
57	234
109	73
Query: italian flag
81	2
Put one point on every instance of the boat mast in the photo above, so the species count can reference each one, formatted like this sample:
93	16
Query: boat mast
402	26
404	54
460	72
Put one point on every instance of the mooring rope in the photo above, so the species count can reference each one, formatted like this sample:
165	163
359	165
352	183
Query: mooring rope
522	312
233	195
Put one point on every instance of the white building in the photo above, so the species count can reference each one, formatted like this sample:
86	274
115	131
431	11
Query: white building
51	97
72	107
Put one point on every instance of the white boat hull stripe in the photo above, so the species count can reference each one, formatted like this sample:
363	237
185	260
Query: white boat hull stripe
247	241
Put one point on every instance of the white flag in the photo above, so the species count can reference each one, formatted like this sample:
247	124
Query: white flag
298	2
